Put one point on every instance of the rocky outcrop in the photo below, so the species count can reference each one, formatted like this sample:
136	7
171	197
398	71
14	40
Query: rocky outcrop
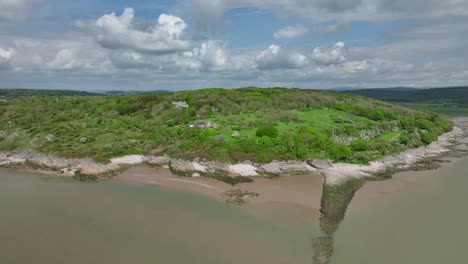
285	168
159	161
187	168
340	172
62	166
319	164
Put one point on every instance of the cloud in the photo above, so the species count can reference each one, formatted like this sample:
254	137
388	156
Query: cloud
121	50
423	8
165	36
76	59
6	56
275	57
9	9
211	56
326	56
48	55
338	6
209	13
291	32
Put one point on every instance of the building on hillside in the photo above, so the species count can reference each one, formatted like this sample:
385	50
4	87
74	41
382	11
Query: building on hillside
202	124
180	104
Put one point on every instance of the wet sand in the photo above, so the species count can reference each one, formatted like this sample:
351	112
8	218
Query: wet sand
298	193
375	191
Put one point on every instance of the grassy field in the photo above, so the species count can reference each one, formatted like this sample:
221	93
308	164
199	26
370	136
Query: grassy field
254	124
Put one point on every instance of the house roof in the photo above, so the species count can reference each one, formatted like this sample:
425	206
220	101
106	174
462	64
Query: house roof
201	123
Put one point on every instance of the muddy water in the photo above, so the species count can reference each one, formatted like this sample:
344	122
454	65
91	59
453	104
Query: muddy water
56	220
418	217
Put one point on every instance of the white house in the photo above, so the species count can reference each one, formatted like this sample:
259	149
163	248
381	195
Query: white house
202	124
180	104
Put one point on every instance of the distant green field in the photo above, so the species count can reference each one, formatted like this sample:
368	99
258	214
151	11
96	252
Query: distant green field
448	110
253	124
450	101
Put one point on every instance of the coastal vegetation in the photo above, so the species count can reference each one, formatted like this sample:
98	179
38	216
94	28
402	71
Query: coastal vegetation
260	125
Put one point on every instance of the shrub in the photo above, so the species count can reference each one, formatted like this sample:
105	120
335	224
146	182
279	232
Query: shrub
404	139
381	114
267	130
340	151
428	137
423	123
359	145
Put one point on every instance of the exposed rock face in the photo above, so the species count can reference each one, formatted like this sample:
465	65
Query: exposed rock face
160	161
285	167
64	166
213	166
128	160
319	164
181	166
243	170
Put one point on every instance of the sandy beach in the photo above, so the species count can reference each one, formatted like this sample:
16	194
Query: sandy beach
302	192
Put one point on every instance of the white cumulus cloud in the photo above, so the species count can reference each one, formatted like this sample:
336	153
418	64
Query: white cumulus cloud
275	57
211	55
326	56
165	36
291	32
39	55
6	54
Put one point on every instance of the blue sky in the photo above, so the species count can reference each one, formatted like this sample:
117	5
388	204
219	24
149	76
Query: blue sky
190	44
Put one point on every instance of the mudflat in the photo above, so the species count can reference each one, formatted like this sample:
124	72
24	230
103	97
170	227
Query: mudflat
302	192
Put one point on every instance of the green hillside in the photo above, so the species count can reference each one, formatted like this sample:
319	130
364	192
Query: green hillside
449	100
254	124
449	95
35	92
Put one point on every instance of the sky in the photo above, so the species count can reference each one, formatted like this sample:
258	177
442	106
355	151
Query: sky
189	44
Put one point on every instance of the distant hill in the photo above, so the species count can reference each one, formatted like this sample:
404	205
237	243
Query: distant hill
11	93
351	89
119	92
450	95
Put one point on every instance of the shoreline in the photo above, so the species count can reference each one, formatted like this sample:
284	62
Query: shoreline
381	190
303	190
333	173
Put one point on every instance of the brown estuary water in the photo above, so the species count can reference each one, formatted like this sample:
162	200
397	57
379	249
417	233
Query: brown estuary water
53	220
417	217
